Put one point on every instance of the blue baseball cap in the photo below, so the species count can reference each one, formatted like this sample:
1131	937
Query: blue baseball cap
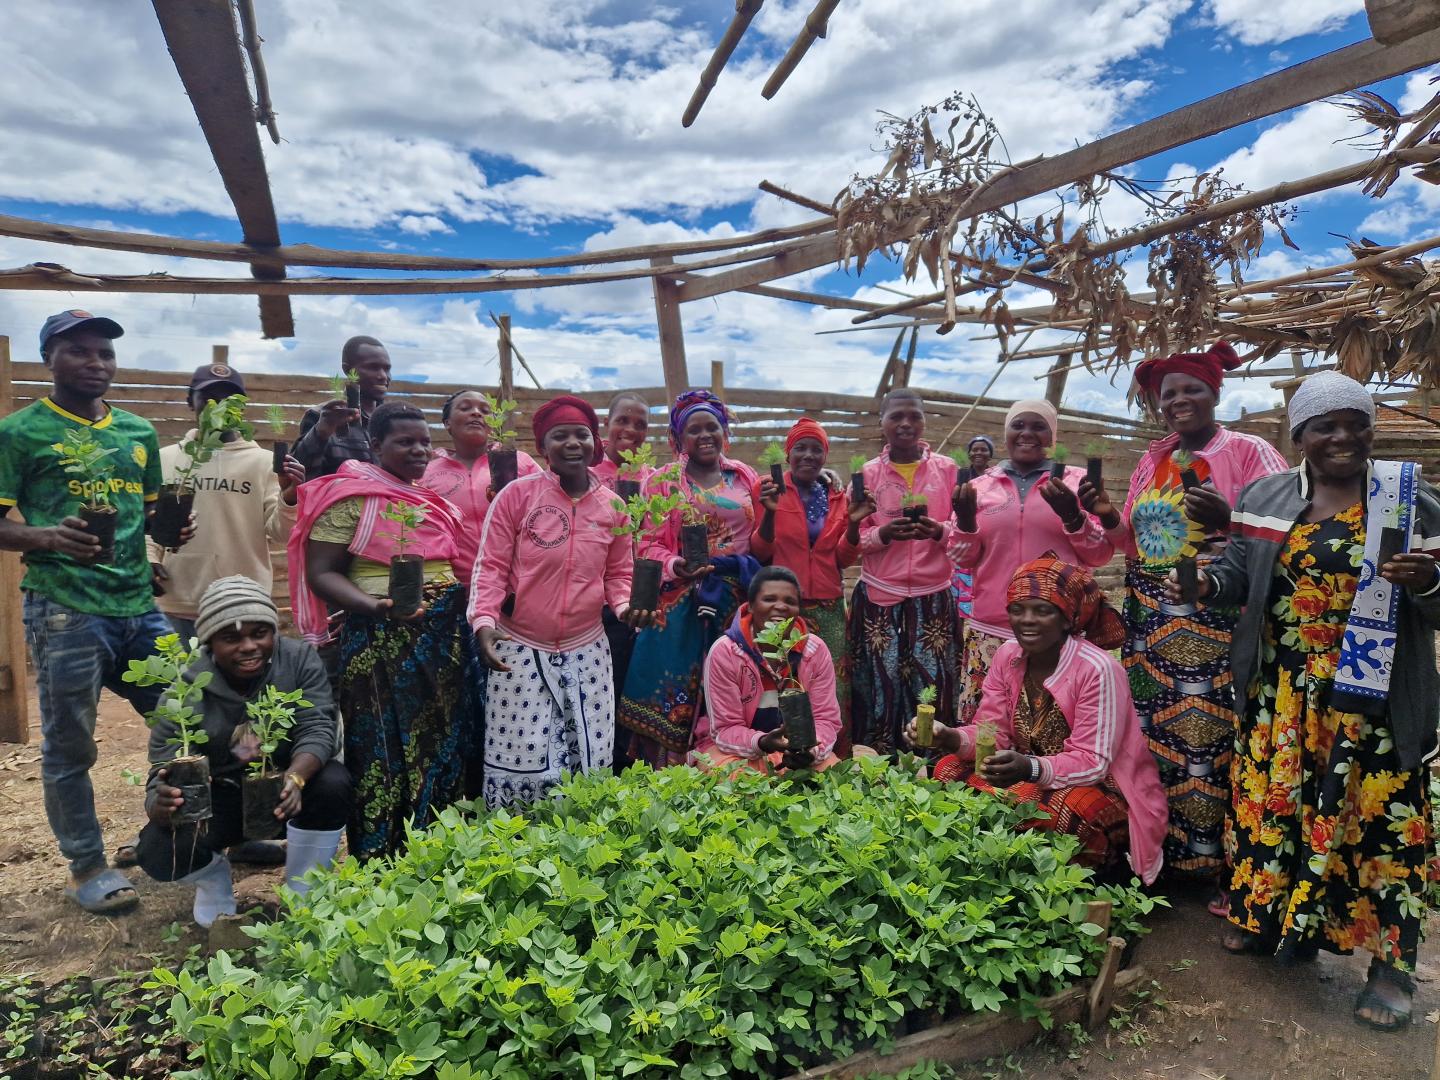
72	320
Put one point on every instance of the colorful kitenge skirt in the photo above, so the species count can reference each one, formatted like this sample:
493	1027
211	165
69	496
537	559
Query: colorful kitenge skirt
895	652
826	620
412	694
976	657
1096	815
1177	658
663	686
1330	837
550	715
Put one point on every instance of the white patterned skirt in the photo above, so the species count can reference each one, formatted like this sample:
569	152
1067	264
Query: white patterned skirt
550	715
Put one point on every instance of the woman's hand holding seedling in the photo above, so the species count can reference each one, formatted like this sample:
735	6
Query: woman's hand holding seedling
943	738
1175	594
384	609
965	504
1064	502
769	495
1410	569
1095	499
1207	508
687	573
1004	768
638	619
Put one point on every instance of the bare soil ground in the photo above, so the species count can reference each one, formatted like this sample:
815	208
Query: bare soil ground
1205	1015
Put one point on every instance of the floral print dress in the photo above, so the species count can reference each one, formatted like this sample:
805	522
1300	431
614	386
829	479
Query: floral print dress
1329	837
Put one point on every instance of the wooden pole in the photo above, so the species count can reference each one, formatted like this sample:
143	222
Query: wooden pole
1393	21
14	705
717	378
745	11
817	25
507	368
220	354
672	335
1055	380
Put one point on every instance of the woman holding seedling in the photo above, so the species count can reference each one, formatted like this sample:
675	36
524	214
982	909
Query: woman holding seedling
1334	667
704	547
768	650
410	683
1059	724
476	423
812	529
626	457
1027	504
553	556
980	452
242	662
903	621
1177	509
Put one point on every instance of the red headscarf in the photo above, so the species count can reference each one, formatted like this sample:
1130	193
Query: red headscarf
806	428
1209	367
567	409
1073	590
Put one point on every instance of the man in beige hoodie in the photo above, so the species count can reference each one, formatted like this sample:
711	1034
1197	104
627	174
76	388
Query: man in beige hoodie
242	509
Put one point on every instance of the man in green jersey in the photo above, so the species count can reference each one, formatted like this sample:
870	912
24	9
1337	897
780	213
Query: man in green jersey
84	620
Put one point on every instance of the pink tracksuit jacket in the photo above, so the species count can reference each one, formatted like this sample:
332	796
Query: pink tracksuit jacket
1010	533
1092	690
904	568
558	557
732	694
465	487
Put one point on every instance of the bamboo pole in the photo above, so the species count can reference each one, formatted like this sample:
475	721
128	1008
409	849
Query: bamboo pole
14	685
745	11
817	25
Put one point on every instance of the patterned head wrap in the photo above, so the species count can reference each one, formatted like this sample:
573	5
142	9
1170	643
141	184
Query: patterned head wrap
1327	391
566	409
806	428
691	402
1072	589
1209	367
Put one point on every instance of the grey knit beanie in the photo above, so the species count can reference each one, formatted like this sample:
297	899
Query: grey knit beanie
1324	392
235	599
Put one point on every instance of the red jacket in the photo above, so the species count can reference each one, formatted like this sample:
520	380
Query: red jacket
818	567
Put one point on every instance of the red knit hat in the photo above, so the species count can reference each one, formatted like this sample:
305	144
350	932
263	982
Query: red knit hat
567	409
1209	367
806	428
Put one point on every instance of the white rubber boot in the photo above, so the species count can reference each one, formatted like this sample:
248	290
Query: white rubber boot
214	890
306	849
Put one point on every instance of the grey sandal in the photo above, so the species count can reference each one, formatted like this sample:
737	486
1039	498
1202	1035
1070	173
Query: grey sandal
107	893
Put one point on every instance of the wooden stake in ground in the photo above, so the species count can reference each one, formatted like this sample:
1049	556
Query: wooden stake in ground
14	707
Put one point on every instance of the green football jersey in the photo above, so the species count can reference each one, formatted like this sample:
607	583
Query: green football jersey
33	480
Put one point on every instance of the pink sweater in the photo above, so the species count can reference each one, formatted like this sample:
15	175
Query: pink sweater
1236	459
609	473
732	694
446	475
1010	533
904	568
1093	692
558	557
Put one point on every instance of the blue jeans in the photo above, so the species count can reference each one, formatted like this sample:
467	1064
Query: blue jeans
76	654
184	627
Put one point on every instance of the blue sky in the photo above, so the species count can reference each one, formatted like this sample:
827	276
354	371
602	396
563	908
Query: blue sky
551	127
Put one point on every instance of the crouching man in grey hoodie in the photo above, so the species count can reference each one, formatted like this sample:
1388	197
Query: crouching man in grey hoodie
236	626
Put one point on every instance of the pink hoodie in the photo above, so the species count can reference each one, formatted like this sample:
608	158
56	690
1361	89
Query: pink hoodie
1010	533
1236	459
905	568
447	475
732	694
558	557
1093	692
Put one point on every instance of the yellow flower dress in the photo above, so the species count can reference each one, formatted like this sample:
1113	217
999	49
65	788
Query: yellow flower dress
1329	839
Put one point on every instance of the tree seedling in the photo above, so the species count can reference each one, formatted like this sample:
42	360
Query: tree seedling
83	457
270	716
169	666
642	514
1095	463
280	449
773	458
857	478
1058	456
346	385
635	465
217	421
778	642
925	717
914	506
407	572
504	464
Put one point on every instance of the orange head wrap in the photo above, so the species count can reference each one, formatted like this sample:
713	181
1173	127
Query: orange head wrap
1073	590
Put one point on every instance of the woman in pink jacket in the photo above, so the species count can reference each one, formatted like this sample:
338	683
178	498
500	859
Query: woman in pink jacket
903	622
627	423
662	688
740	725
462	475
550	560
1178	654
1006	517
1064	725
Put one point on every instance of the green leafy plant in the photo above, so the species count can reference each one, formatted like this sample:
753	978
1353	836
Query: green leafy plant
857	463
217	420
773	454
271	716
913	499
275	417
1096	448
961	457
644	513
659	923
82	456
926	696
497	420
635	463
338	383
407	519
1059	454
168	667
777	641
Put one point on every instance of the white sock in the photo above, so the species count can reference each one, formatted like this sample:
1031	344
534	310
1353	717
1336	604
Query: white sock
306	849
214	890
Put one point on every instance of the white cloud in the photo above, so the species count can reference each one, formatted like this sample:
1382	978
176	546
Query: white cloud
1280	20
